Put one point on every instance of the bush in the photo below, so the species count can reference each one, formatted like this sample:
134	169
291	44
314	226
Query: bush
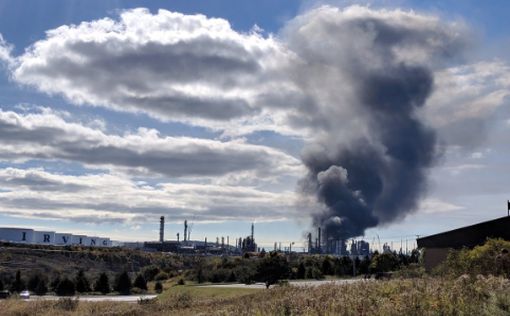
491	258
82	283
1	285
150	272
181	282
272	268
65	287
123	283
66	304
140	282
18	285
158	287
102	284
161	276
384	262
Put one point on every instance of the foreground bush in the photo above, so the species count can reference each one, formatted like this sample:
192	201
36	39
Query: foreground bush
465	295
491	258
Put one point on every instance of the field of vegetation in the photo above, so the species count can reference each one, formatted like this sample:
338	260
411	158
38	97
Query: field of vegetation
470	282
465	295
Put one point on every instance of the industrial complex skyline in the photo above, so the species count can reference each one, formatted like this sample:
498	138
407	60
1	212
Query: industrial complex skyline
364	118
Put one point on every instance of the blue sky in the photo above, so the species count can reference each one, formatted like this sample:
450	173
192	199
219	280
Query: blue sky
213	130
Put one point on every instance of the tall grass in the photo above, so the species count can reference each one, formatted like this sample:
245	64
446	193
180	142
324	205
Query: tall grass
466	295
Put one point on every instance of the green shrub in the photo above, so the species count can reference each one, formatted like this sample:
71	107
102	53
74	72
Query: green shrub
123	283
65	287
140	282
491	258
161	276
158	287
102	284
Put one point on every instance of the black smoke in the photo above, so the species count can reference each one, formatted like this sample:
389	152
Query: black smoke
381	178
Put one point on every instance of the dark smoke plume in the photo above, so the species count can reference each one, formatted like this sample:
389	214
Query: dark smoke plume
371	182
375	173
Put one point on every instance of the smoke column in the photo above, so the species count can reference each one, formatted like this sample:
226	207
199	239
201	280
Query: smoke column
369	74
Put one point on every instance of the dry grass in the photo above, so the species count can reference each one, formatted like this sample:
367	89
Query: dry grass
426	296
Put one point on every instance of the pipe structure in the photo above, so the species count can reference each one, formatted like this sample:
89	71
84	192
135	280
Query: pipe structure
161	229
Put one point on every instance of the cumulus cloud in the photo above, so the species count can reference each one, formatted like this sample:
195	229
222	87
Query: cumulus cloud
5	51
465	98
47	135
116	198
169	65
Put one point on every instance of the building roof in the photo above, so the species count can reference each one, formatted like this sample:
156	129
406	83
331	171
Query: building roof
469	236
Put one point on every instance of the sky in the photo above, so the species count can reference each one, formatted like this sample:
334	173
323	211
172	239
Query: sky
384	119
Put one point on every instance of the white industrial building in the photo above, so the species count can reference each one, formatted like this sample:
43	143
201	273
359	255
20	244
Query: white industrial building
30	236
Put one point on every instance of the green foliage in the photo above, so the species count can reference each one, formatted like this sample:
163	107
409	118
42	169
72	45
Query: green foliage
65	287
384	262
37	284
123	283
158	287
150	272
102	284
272	268
82	283
161	276
491	258
41	288
18	285
140	282
66	304
181	282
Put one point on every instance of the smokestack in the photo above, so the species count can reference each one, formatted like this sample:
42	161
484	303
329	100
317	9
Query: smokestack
205	243
185	229
309	242
319	240
178	239
252	231
161	229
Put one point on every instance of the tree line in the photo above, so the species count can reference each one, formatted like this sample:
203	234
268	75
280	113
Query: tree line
79	284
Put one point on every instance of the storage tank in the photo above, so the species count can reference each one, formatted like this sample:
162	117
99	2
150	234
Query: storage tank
17	235
44	237
80	240
63	239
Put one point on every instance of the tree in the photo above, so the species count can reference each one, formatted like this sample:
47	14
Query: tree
18	285
158	287
37	284
301	270
65	287
140	282
41	287
123	283
54	283
102	284
384	262
272	268
82	283
1	285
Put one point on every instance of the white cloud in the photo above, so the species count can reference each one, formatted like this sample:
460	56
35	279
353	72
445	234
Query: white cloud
435	206
5	51
116	198
48	136
172	66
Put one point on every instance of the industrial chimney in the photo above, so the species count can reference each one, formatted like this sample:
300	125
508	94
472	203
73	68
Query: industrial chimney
161	229
320	241
185	229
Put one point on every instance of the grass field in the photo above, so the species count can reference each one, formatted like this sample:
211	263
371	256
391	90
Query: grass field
421	296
